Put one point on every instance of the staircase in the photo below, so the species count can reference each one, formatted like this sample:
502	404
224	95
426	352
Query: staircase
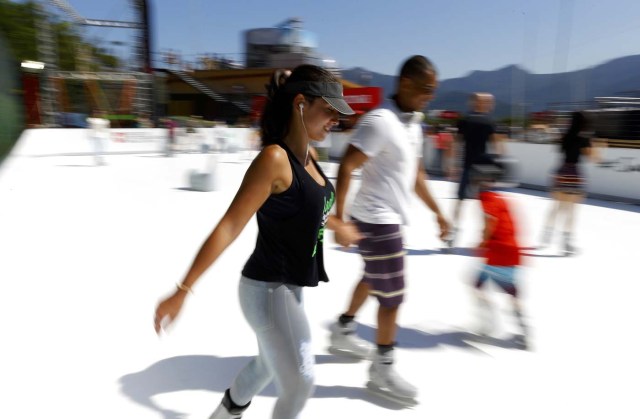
207	91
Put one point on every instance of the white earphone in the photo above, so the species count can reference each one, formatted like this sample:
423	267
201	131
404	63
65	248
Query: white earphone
301	107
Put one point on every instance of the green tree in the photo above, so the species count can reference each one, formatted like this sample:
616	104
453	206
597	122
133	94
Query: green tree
11	118
19	23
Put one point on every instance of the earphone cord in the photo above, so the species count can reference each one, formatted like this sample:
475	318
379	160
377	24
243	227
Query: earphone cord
306	156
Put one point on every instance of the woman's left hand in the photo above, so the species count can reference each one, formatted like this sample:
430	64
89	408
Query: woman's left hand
168	310
347	234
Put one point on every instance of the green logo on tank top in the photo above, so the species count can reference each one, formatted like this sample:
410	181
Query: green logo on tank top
328	203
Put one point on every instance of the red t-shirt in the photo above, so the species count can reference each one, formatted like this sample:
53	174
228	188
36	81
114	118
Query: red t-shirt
502	248
443	140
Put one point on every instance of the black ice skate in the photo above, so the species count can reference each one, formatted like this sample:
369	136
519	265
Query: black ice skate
227	409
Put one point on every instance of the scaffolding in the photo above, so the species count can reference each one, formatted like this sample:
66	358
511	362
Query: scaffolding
47	53
138	84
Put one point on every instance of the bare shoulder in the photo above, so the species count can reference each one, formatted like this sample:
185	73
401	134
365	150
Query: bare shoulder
272	155
272	163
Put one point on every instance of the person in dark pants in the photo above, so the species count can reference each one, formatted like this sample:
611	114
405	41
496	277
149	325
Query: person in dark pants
476	133
287	190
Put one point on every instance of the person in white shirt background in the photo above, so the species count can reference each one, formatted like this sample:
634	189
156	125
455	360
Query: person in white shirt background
98	135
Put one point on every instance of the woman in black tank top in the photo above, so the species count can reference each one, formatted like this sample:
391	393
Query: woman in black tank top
568	182
292	198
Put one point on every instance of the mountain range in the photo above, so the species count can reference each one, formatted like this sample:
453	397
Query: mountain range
516	89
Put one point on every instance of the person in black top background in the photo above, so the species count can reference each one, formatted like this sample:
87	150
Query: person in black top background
292	198
476	133
568	182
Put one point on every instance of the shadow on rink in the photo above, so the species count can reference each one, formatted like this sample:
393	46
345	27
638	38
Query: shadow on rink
76	165
409	338
215	374
459	251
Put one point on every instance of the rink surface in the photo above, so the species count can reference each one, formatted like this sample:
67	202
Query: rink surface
88	251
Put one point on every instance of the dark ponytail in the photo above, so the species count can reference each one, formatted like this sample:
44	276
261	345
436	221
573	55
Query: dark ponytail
277	113
578	124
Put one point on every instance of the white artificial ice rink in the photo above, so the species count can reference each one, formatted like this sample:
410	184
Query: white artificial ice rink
87	251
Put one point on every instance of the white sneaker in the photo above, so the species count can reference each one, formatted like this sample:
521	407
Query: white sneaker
384	380
344	341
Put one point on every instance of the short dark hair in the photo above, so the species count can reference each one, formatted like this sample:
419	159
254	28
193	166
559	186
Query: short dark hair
416	66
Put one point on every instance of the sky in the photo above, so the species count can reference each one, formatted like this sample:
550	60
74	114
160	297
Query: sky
459	36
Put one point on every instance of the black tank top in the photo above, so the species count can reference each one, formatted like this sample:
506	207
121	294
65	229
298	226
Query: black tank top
572	148
291	224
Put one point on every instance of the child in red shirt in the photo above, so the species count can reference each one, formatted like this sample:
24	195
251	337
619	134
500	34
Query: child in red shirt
499	246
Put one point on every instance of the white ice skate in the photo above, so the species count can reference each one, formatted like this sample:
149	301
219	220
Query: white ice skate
484	328
520	342
569	248
385	381
226	411
485	319
344	341
545	240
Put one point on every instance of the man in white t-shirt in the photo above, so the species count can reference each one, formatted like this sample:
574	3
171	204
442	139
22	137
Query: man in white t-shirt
387	144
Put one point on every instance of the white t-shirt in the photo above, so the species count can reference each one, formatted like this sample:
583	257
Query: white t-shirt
99	127
393	142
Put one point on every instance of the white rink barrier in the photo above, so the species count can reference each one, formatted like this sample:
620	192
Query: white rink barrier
616	177
70	141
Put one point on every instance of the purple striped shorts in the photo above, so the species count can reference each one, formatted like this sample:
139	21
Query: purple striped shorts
383	255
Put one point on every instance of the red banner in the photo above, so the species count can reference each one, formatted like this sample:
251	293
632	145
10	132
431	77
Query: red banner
363	99
449	115
257	105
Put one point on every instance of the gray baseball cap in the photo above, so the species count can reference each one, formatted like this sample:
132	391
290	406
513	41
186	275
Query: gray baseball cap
331	92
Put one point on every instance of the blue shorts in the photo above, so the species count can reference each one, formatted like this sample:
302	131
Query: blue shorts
503	276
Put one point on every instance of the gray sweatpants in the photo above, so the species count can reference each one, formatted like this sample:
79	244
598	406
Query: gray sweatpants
276	314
